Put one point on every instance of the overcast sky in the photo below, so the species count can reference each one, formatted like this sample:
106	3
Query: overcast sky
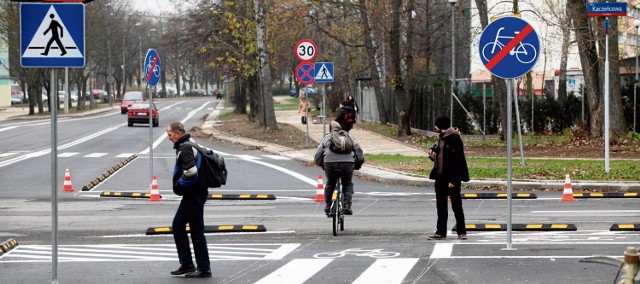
153	6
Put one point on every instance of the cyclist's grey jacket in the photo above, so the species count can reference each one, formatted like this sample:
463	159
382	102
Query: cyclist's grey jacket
325	155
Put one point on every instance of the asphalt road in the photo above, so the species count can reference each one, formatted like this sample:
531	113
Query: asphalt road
103	240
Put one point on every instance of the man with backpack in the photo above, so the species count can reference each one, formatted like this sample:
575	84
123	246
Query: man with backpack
189	182
339	155
346	116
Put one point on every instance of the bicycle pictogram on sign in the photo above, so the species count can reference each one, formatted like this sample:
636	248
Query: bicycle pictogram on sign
509	47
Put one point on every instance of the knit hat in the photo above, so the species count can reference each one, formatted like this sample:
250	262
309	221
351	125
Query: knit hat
443	122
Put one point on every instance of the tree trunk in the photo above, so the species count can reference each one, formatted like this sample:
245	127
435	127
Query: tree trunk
269	115
617	122
499	86
371	59
564	55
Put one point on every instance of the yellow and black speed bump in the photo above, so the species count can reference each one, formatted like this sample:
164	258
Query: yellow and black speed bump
212	229
7	246
625	227
498	196
520	227
108	173
607	195
125	194
242	196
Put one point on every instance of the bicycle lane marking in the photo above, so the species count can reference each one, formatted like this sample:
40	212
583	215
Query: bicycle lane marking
509	46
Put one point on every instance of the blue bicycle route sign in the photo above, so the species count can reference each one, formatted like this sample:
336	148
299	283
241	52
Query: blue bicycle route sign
509	47
152	67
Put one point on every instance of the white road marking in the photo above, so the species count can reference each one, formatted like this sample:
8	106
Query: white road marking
8	154
67	154
7	128
276	157
95	155
442	250
392	270
295	271
125	155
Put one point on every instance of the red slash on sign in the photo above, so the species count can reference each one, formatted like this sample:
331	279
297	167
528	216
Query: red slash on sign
153	67
512	43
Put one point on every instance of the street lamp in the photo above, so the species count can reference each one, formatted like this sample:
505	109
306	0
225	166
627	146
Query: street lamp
636	24
453	54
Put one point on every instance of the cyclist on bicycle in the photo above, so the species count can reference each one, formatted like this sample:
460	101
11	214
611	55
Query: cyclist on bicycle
338	166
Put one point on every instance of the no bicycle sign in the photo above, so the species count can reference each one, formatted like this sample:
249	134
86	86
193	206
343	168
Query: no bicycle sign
509	47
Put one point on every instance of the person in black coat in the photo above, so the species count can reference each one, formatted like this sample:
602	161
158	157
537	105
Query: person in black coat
345	115
449	171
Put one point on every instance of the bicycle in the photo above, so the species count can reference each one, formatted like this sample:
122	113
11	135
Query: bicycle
337	208
629	266
525	50
156	68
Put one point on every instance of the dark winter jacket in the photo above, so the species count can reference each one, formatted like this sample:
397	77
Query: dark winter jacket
188	168
450	159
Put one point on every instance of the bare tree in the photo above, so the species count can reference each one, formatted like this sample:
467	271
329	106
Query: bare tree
268	117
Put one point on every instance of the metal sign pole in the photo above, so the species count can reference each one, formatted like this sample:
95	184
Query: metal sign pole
515	100
306	105
510	84
53	107
606	97
324	115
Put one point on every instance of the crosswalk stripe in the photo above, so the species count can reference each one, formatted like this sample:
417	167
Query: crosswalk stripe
391	270
67	154
95	155
296	271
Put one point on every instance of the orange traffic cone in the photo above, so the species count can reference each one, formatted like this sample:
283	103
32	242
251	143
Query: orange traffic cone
155	192
567	195
320	190
67	186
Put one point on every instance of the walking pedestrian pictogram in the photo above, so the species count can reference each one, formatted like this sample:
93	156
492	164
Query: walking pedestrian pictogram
55	36
323	72
52	35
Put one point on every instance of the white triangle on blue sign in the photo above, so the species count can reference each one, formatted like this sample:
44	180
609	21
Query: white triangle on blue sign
323	74
40	40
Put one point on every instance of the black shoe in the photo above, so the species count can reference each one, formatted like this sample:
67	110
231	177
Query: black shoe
436	237
199	274
327	211
347	209
184	269
462	237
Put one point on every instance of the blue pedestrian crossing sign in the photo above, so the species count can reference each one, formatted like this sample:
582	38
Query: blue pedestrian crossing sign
152	67
52	35
323	72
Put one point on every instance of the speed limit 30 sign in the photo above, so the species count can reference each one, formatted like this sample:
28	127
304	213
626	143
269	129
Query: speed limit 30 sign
306	50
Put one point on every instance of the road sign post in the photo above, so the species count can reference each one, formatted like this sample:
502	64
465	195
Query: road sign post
509	48
152	65
605	10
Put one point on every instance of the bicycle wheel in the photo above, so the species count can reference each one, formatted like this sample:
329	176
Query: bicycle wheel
336	220
526	53
341	222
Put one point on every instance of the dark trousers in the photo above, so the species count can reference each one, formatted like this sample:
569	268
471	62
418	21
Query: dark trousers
443	191
304	119
344	172
191	211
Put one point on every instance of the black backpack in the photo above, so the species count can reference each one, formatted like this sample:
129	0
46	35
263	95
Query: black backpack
214	169
349	117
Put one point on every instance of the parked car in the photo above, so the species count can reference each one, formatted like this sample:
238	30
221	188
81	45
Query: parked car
15	100
128	99
100	95
139	113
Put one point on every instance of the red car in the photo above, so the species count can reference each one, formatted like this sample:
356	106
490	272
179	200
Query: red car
128	99
139	113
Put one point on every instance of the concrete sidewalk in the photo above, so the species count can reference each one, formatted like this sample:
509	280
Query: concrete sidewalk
373	143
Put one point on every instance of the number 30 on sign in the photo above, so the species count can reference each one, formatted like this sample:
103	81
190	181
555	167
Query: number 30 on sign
306	50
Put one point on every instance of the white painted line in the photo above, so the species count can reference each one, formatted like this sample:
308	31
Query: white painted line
313	182
585	211
247	157
67	154
7	128
282	251
276	157
296	271
392	270
8	154
125	155
442	250
95	155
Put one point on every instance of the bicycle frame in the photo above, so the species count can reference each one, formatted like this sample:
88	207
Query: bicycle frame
337	208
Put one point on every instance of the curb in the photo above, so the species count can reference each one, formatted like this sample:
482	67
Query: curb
7	246
499	196
519	227
216	196
108	173
625	227
125	194
211	229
